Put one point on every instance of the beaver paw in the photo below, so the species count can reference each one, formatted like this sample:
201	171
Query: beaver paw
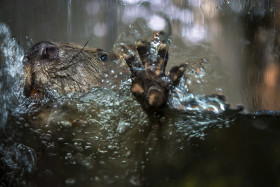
150	84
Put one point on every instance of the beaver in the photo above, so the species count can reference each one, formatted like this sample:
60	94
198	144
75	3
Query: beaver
69	67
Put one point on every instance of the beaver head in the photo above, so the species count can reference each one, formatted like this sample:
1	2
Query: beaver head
69	67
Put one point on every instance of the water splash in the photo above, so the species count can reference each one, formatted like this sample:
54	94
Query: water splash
18	159
11	72
101	129
182	99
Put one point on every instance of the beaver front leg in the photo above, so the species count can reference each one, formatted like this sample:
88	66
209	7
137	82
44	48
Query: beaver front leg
150	84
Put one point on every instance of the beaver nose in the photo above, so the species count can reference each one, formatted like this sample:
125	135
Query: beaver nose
45	49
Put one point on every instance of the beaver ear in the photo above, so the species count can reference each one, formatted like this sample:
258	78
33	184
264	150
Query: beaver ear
49	52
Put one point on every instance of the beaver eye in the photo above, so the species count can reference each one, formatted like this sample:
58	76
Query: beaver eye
103	57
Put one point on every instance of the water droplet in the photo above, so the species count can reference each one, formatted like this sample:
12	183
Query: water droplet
70	181
68	156
122	127
97	179
87	147
127	155
102	151
65	124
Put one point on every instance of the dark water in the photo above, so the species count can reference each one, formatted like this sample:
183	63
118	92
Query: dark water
104	138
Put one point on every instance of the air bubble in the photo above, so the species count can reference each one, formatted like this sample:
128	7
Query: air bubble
68	156
70	181
65	124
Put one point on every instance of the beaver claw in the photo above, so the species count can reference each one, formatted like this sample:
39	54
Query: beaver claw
150	84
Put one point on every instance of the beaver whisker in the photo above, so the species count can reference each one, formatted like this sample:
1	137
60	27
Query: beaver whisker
75	57
94	66
78	86
70	63
80	51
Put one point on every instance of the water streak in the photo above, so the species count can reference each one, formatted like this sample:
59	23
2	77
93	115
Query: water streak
69	19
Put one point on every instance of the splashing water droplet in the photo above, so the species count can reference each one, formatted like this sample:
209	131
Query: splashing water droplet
11	71
70	181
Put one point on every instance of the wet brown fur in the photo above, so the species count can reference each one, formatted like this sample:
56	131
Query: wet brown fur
69	67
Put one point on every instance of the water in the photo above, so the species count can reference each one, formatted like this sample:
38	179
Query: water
69	21
104	138
11	72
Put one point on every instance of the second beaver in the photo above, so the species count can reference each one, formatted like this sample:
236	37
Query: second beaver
69	67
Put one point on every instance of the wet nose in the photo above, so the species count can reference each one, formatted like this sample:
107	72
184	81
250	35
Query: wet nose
45	49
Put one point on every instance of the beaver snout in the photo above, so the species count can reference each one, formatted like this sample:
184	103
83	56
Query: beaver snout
45	49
